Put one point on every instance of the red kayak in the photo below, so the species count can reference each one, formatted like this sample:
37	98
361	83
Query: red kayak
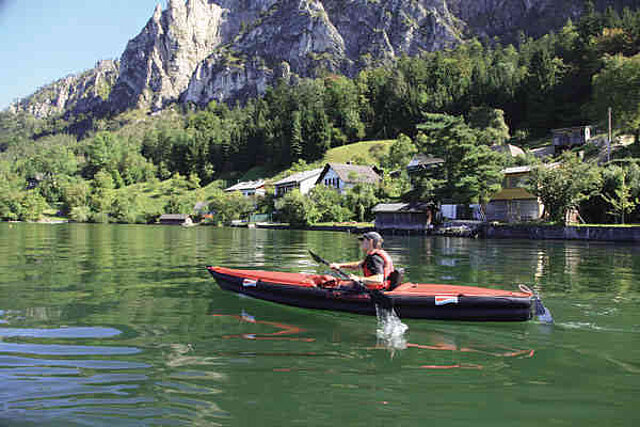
410	300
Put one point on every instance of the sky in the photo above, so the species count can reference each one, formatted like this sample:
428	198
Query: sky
42	41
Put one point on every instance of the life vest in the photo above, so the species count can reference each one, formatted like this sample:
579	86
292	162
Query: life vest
388	268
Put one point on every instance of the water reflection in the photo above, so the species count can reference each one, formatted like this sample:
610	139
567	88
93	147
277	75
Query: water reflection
122	325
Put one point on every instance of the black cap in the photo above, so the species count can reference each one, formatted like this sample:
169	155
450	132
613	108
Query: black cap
371	235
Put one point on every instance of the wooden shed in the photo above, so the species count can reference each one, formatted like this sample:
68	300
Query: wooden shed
175	219
414	217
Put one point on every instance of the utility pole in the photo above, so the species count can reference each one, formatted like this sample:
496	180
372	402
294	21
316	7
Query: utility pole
609	140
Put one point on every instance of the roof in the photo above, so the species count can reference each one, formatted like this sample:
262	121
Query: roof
401	207
247	185
516	169
571	129
299	177
364	174
509	149
423	160
174	217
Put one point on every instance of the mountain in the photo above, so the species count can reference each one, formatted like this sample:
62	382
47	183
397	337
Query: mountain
227	50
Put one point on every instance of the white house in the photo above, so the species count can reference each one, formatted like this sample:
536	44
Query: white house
248	188
342	176
303	181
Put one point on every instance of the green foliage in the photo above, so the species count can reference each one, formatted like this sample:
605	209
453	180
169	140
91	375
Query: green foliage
618	86
361	199
400	153
329	204
621	190
563	186
470	172
296	209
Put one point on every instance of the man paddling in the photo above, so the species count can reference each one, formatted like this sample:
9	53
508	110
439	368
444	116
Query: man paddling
377	265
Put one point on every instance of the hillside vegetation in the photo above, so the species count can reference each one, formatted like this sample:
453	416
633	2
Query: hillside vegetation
452	104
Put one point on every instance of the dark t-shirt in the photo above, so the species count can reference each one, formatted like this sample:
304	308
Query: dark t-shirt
375	264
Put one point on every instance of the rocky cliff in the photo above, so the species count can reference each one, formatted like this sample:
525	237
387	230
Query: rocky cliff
202	50
80	94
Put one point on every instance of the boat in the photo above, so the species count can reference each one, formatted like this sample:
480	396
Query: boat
410	300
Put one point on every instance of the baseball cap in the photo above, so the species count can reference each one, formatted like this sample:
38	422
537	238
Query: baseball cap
371	235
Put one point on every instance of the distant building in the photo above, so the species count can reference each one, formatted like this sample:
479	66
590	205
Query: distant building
514	203
344	176
416	217
175	219
423	162
571	137
303	181
248	188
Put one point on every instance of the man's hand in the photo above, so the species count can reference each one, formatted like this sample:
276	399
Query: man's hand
334	266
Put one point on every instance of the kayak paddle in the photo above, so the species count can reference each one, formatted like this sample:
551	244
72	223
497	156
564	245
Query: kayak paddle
376	296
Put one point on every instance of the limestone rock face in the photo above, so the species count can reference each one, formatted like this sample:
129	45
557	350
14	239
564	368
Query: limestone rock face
197	51
81	94
157	65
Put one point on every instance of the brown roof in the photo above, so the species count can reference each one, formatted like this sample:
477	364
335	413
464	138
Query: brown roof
351	173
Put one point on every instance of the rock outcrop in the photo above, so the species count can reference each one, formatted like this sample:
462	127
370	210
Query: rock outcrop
197	51
80	94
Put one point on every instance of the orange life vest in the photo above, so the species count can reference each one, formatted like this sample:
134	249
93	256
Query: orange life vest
388	268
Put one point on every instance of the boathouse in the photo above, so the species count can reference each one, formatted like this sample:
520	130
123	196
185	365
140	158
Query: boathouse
175	219
413	217
514	203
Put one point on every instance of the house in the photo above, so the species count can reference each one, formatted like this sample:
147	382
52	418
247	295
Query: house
303	181
514	203
345	176
248	188
175	219
571	137
422	162
416	217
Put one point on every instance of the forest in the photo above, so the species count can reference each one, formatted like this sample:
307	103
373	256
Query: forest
453	104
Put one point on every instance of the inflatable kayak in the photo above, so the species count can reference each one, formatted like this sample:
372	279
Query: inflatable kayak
410	300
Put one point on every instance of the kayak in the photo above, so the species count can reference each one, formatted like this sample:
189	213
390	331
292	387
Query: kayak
410	300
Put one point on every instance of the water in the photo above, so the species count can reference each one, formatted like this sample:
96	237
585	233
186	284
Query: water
121	325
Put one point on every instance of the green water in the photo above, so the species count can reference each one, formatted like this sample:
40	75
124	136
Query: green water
121	325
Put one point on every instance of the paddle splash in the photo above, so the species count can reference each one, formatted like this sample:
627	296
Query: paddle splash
390	330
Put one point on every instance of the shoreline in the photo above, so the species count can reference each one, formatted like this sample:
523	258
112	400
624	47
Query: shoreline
595	232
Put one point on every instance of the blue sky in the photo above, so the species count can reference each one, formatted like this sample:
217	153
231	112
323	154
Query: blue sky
44	40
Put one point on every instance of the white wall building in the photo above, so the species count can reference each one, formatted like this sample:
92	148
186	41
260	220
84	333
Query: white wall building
303	181
248	188
343	177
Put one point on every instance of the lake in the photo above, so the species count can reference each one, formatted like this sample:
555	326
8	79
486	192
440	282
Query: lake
122	325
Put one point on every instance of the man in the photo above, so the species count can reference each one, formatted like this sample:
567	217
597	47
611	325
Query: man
377	265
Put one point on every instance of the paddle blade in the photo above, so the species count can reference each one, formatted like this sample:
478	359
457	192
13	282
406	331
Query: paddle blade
543	314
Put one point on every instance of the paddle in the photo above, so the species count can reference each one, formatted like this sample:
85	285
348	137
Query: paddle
376	296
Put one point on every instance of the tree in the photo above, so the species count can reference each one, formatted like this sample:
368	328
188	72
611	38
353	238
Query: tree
296	209
618	86
622	202
563	186
329	204
470	171
400	153
361	199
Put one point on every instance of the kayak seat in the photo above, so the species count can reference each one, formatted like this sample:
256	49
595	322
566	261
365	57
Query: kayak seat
395	278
